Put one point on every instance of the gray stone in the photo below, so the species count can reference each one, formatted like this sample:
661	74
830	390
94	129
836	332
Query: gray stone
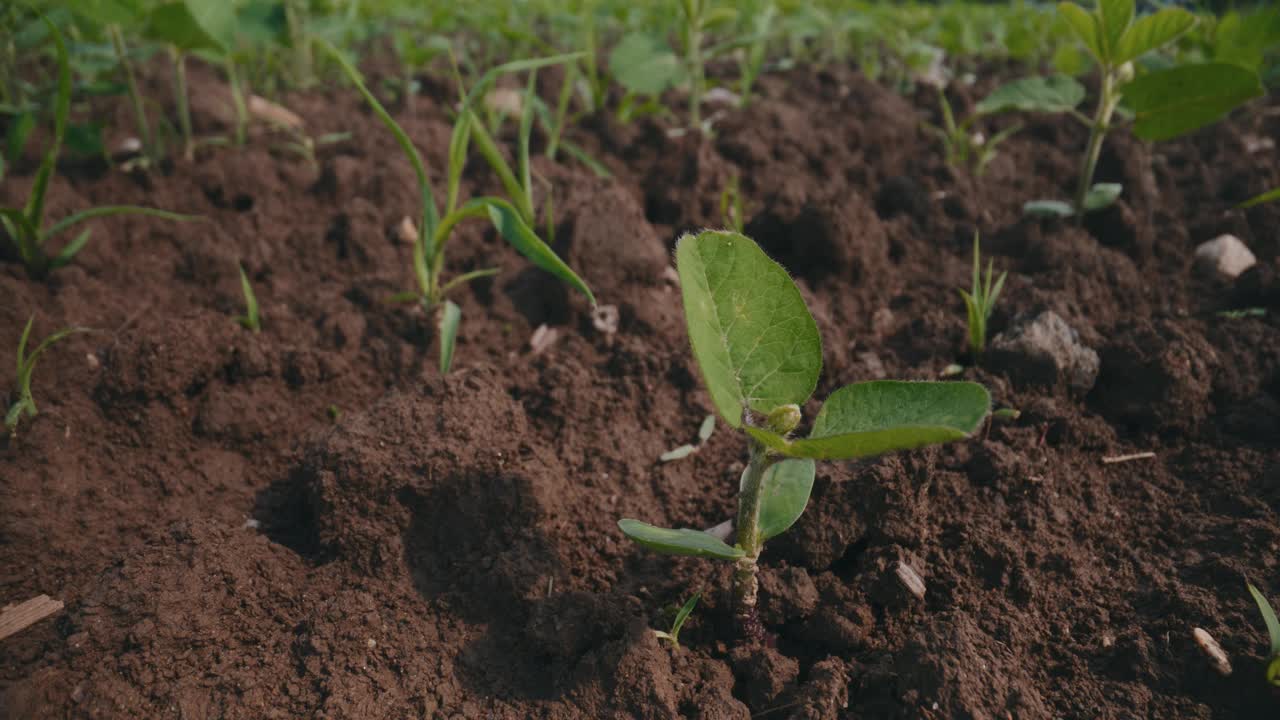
1044	350
1225	255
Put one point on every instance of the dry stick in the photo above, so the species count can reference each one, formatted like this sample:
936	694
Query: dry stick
1127	458
14	618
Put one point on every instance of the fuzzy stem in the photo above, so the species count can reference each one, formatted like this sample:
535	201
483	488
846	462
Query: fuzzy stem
1101	122
180	95
745	584
135	97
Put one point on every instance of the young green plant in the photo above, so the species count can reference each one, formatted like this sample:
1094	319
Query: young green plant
980	301
966	147
682	615
1165	103
1273	632
24	226
513	218
760	354
26	403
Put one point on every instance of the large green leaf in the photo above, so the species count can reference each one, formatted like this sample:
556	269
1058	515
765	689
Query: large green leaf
1052	94
1176	101
1085	26
645	65
784	493
507	220
1115	17
175	23
1153	31
871	418
108	12
754	339
682	541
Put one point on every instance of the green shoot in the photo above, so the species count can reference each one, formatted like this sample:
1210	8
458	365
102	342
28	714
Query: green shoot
731	210
760	355
965	147
513	216
980	301
251	320
26	404
681	616
149	148
1266	197
24	226
1273	631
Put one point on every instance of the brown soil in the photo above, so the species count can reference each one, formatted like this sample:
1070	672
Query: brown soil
448	547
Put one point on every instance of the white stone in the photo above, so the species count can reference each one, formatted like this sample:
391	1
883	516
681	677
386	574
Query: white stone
1225	255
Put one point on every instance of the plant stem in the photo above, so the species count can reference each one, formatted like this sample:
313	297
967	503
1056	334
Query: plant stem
302	60
135	97
693	50
237	99
745	584
1098	132
180	95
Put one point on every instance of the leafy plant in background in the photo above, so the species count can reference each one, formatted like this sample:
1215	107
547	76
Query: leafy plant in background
732	213
26	403
24	226
677	624
1164	104
760	355
1273	632
980	301
512	217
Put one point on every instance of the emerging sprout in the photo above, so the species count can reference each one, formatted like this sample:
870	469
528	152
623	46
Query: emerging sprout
251	320
681	616
26	403
759	352
980	301
1273	630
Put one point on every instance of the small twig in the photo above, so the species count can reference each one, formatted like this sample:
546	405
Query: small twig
14	618
1113	459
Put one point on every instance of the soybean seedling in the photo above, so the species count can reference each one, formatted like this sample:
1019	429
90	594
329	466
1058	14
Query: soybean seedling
250	320
24	226
1164	104
26	404
980	301
512	218
681	616
1273	631
759	353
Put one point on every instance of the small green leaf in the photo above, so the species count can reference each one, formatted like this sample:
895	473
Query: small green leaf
1048	208
1101	195
784	493
871	418
681	541
175	24
1052	94
1268	617
1266	197
1151	32
644	65
755	341
1085	26
507	220
450	318
251	320
68	252
1176	101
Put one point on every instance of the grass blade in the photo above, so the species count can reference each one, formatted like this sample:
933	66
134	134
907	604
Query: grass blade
110	210
1268	617
61	108
526	129
512	228
450	318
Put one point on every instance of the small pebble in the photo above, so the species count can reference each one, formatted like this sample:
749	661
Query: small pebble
1217	657
1225	255
910	579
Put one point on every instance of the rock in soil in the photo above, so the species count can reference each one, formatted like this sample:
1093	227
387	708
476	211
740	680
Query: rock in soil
1225	255
1044	350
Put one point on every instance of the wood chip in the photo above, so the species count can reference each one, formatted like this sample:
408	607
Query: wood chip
274	113
1113	459
1217	657
910	579
14	618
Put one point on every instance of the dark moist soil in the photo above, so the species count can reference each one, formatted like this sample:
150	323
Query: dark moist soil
448	548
